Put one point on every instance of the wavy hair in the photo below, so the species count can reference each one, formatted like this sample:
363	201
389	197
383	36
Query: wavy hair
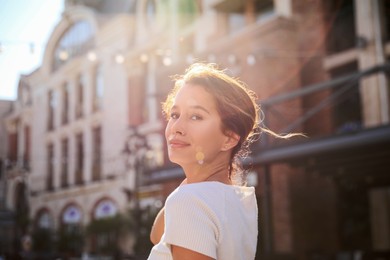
236	105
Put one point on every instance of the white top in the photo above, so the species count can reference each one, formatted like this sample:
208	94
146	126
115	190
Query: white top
211	218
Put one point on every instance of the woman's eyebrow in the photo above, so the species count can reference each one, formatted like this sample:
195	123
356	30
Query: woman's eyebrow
201	108
175	107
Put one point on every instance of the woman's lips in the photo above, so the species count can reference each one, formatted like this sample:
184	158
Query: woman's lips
175	143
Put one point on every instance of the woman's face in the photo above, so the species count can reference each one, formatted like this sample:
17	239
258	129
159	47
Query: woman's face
193	132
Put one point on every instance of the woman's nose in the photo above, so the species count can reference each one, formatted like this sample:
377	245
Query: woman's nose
178	127
179	132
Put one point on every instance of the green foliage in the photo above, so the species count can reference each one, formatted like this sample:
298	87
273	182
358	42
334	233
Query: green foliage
43	240
105	233
146	218
71	239
117	224
188	11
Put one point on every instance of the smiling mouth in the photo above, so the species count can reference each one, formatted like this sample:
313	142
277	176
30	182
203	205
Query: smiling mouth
177	144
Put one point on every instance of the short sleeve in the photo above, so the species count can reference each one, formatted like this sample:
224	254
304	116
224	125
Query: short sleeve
191	223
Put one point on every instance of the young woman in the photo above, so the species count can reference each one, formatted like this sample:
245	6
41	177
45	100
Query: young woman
212	118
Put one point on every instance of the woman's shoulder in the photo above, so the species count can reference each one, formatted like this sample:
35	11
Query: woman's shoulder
195	193
203	188
209	191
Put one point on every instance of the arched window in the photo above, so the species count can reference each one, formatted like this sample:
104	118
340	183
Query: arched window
45	220
77	40
43	231
105	208
70	238
105	229
72	215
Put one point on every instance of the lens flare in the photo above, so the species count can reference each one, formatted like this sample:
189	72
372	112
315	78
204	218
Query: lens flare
199	157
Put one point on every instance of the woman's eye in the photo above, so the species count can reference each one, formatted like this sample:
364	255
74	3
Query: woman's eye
196	117
174	115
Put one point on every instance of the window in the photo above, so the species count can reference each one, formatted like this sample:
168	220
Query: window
340	20
76	41
79	159
347	106
51	106
97	155
72	215
50	167
386	15
98	90
105	226
26	154
45	220
240	13
106	208
65	103
70	238
64	163
80	97
263	9
13	145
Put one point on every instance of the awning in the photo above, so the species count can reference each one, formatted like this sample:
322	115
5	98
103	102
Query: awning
345	142
366	150
162	175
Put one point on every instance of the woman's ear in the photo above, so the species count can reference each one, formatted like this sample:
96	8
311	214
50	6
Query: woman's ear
231	141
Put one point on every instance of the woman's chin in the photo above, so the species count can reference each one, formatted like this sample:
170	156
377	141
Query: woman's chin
180	161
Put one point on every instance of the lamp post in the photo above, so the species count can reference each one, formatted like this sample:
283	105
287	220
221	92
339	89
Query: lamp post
135	150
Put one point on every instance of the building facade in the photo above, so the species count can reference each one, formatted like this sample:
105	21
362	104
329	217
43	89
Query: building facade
318	67
7	224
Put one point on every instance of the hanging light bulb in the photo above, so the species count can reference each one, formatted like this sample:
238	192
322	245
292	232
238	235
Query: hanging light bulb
167	61
63	55
144	58
159	52
251	59
119	58
91	56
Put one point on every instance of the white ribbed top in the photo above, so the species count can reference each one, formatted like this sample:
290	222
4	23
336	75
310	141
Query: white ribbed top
211	218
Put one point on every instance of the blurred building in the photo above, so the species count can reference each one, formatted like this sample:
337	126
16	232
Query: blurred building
7	224
319	67
5	108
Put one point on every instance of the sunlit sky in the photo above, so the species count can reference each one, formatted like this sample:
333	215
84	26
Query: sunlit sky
25	27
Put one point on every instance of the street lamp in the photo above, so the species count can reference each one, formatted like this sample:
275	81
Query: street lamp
135	150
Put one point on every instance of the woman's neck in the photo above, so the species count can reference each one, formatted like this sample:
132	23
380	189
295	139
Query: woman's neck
206	172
